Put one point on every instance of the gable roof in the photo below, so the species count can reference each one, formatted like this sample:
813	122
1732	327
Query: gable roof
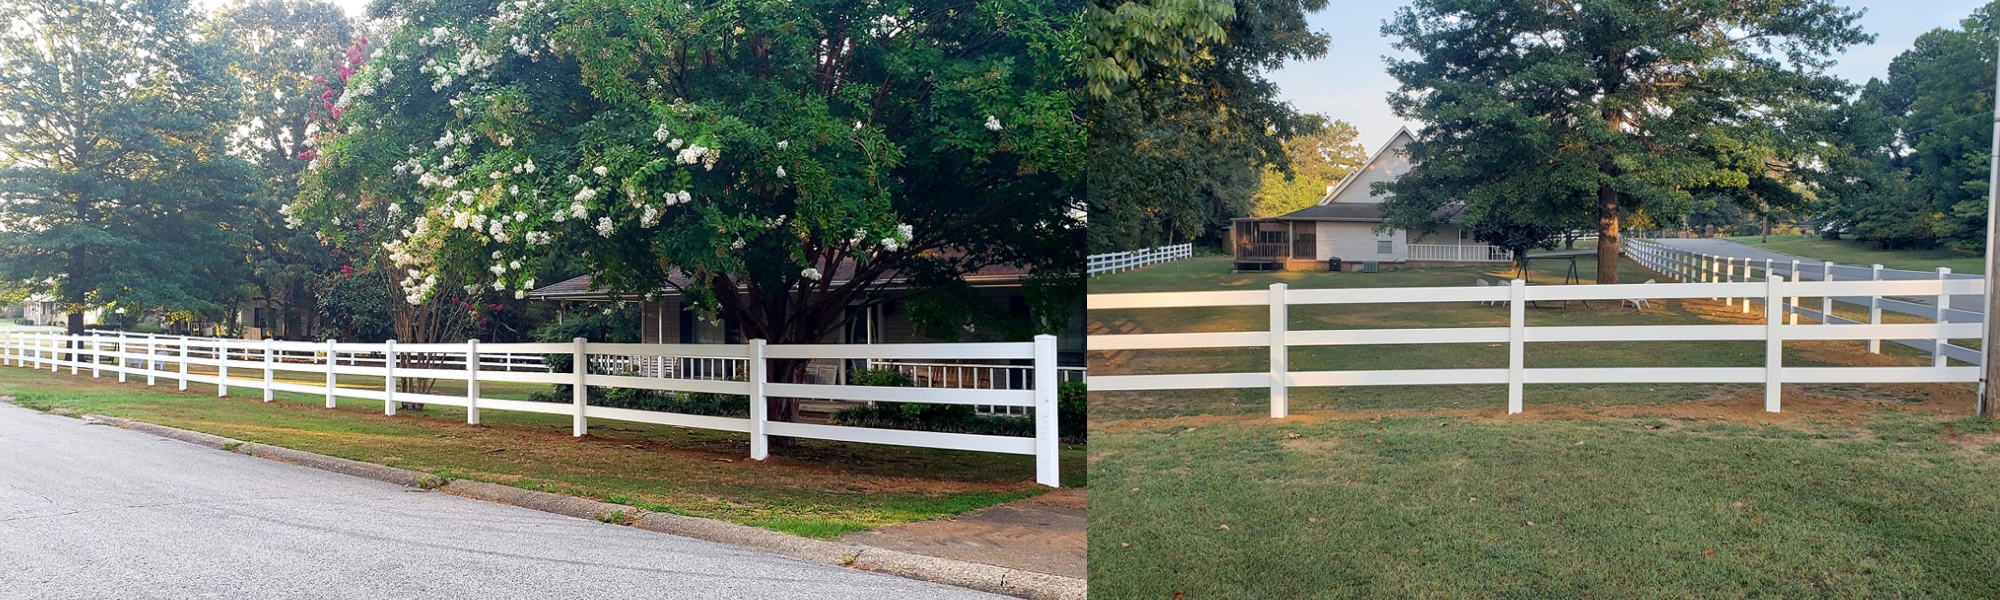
1403	135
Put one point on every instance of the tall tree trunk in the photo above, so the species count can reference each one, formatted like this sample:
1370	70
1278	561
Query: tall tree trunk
76	322
1607	234
785	410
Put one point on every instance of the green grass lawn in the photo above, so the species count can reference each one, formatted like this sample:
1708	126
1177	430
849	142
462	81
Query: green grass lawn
1638	490
819	489
1851	252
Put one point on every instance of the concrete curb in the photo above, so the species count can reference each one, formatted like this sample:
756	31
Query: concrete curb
971	575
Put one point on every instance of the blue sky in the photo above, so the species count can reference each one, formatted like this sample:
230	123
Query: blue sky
1349	84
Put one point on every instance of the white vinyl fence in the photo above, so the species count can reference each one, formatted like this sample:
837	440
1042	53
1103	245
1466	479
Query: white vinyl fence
1696	267
155	357
1460	253
1129	260
1279	339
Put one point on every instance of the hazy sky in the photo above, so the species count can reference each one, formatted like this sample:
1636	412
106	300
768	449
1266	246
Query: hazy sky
1351	85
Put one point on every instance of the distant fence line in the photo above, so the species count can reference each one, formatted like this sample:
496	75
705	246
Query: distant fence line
1133	259
1697	267
158	356
1279	339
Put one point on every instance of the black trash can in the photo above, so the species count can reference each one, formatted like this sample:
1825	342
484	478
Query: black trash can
1333	265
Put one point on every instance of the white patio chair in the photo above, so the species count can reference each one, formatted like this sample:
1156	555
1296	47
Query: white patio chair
1641	303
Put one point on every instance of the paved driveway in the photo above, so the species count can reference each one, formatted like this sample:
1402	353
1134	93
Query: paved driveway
89	511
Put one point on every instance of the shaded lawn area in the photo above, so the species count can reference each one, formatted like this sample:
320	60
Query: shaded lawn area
1851	252
1632	490
819	489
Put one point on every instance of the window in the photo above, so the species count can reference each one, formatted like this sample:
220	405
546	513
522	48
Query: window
1464	235
1385	243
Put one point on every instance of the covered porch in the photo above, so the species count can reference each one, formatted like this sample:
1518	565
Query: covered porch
1273	244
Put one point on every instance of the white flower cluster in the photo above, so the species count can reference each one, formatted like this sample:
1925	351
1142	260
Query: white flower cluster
604	226
291	222
992	123
810	273
599	170
539	238
586	194
698	154
781	172
649	217
661	134
526	166
681	197
783	144
415	291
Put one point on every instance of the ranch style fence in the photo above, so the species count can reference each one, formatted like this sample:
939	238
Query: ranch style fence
1133	259
1696	267
155	357
1280	339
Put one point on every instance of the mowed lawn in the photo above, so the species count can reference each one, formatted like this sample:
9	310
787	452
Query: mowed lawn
1638	490
1852	252
818	489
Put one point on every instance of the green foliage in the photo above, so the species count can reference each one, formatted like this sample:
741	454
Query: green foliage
1910	167
1321	155
1556	113
116	186
1186	123
1073	410
354	306
717	149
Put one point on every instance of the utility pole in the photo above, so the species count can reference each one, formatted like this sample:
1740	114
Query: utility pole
1989	405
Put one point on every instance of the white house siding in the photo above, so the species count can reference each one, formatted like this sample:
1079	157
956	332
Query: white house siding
1355	242
1386	166
1447	235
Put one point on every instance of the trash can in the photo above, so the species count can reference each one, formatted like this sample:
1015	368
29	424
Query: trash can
1333	265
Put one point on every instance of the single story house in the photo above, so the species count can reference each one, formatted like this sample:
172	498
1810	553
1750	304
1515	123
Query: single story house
1344	226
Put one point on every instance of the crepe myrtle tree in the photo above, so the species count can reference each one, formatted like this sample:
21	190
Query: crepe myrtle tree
737	152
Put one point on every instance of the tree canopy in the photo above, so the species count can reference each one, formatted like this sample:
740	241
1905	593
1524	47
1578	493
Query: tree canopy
1182	120
1322	154
116	187
1611	109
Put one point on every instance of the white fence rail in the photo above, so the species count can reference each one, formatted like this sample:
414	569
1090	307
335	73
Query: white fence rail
168	357
1279	339
1697	267
1458	253
1126	261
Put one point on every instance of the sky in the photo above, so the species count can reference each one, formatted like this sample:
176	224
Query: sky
1350	83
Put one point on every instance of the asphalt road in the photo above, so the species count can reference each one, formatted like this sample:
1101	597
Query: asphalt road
1782	263
90	511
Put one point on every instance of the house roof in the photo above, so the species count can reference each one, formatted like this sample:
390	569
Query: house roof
1354	212
580	287
1402	134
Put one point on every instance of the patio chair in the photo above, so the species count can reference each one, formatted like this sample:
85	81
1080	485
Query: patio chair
1641	303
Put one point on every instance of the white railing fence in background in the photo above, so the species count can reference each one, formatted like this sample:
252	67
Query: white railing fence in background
1279	339
1133	259
1697	267
159	356
1457	253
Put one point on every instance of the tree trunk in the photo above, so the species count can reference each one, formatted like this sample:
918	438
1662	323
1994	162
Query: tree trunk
1607	234
76	322
785	410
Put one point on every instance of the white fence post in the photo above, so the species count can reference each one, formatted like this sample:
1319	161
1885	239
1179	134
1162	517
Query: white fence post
580	394
1281	401
123	362
152	352
1048	450
760	440
1768	275
221	368
1729	275
1517	347
1795	277
184	363
1943	304
1774	344
75	359
389	379
1826	302
332	354
1875	311
270	364
96	356
472	381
